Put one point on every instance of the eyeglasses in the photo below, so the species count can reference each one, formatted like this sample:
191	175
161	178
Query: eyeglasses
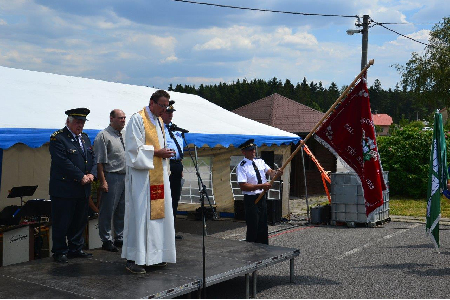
162	106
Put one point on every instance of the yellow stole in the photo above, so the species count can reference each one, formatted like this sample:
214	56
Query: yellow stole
155	175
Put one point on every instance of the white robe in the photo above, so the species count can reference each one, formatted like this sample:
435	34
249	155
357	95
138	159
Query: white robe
145	241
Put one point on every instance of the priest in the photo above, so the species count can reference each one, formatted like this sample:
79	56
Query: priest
149	234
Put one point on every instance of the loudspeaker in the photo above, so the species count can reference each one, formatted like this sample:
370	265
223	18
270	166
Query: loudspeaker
10	215
37	208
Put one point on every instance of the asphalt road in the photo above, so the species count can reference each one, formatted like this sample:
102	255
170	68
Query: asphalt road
395	260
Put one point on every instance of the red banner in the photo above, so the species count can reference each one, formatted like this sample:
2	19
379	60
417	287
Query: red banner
349	132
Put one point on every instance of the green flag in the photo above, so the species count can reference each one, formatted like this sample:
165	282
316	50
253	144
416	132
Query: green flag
437	179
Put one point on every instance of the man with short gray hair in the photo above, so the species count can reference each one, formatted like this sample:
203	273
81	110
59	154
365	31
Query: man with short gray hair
110	153
70	186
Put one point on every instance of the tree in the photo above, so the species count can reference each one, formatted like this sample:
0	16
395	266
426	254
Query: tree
428	75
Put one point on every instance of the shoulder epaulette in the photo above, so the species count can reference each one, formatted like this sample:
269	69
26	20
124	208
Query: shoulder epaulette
243	162
54	134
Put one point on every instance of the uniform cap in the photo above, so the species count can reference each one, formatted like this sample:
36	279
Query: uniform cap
247	145
78	113
170	107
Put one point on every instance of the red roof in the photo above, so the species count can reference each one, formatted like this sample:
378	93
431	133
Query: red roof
382	120
281	112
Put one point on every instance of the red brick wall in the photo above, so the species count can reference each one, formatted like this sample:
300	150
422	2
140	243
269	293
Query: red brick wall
313	179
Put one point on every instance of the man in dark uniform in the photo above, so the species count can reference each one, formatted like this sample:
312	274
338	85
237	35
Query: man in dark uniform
251	176
175	142
70	186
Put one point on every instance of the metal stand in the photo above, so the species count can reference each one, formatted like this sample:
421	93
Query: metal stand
203	194
306	189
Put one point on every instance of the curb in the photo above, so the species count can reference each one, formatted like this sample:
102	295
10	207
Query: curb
409	219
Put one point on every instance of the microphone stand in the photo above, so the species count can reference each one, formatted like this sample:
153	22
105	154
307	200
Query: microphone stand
203	194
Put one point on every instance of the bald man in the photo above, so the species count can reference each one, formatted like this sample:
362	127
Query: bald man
111	171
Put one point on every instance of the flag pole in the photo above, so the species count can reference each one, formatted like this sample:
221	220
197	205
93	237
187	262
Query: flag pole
329	111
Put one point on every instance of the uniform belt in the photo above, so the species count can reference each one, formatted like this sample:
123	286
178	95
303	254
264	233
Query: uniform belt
177	161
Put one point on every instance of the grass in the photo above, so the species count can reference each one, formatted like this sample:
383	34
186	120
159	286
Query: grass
415	207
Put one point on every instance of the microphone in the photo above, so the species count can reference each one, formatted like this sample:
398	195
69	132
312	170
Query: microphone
174	127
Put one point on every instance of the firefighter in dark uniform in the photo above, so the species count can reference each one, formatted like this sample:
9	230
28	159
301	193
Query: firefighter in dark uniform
70	186
251	176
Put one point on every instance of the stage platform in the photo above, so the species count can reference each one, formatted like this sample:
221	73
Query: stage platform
104	275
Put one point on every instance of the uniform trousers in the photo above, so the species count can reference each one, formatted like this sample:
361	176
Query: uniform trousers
112	208
176	171
69	219
256	219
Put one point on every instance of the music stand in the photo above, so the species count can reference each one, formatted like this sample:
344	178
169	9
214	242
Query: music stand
20	191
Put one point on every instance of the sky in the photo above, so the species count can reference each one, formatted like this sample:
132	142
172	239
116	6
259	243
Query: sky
160	42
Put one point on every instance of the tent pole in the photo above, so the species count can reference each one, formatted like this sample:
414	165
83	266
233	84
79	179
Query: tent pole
306	188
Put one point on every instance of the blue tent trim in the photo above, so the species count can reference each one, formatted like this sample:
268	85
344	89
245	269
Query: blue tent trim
32	137
226	140
1	167
36	137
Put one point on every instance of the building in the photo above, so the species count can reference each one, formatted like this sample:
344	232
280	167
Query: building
383	121
289	115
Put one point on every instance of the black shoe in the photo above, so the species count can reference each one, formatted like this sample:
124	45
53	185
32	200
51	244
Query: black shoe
79	254
160	265
118	243
134	268
61	258
178	237
109	246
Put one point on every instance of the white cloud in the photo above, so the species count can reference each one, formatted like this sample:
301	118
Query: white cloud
3	22
250	38
170	59
214	44
285	36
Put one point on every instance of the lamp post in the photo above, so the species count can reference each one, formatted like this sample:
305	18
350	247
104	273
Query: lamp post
365	37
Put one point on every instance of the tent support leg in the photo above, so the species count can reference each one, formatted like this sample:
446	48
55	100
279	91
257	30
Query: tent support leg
291	270
254	276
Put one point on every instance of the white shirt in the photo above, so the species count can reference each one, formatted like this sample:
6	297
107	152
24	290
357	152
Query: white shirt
246	173
77	137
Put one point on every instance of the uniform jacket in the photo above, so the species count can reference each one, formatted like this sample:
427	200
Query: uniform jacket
69	164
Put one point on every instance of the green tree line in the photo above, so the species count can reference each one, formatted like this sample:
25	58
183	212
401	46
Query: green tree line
398	103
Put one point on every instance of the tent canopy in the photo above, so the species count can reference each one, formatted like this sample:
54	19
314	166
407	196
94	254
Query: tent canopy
33	106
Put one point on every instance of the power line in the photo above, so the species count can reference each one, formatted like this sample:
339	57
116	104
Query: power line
304	14
265	10
381	24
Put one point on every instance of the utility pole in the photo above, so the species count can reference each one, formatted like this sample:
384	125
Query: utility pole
365	37
365	40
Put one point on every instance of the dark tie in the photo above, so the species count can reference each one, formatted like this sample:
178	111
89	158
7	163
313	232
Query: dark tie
121	140
77	138
175	140
258	175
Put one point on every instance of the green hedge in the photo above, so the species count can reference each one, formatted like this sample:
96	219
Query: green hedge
406	155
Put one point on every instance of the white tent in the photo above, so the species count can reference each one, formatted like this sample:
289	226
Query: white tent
33	106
